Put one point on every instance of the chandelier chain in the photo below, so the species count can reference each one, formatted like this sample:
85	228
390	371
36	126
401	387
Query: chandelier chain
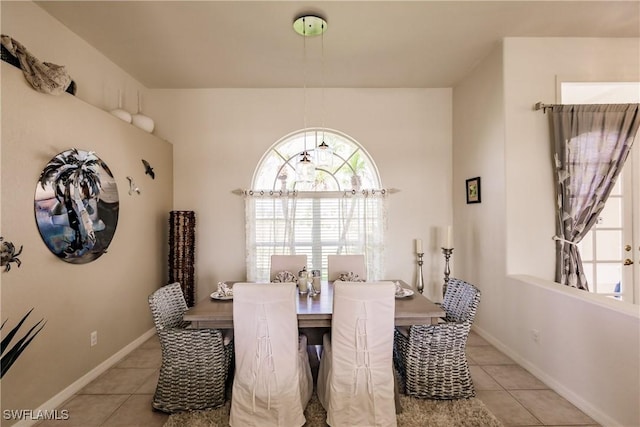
304	78
323	80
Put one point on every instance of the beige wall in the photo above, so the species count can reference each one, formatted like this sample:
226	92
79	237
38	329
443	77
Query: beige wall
109	294
97	78
588	347
221	134
219	137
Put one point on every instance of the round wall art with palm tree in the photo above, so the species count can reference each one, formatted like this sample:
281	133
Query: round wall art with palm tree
76	206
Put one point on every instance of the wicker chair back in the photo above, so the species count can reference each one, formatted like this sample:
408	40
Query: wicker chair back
431	359
461	301
167	306
195	362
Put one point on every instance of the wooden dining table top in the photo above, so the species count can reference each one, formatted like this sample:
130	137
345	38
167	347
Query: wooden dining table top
315	312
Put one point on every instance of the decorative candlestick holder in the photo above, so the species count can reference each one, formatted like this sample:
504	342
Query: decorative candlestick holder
447	254
420	279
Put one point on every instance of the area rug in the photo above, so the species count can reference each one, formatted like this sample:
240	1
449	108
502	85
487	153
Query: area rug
415	413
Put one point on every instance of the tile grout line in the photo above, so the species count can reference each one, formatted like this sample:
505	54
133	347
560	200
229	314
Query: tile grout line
481	367
114	411
527	409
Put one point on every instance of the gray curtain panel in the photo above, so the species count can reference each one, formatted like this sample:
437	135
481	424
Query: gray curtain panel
590	146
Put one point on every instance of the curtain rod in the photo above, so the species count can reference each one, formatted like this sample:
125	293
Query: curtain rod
541	106
314	194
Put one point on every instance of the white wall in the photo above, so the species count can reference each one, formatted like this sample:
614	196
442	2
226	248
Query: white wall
478	150
533	68
588	350
221	134
541	63
589	347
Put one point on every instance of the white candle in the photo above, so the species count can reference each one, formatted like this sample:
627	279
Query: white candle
448	243
419	246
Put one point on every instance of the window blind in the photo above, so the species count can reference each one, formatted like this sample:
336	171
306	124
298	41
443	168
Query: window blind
315	224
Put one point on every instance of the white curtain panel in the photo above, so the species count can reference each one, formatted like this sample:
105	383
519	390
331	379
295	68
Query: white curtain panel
316	224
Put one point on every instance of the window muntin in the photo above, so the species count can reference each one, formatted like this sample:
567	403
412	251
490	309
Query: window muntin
277	169
334	214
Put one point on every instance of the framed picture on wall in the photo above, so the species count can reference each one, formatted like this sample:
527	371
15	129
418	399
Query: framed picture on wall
473	190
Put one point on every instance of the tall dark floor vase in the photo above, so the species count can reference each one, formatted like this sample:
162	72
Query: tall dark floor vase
182	244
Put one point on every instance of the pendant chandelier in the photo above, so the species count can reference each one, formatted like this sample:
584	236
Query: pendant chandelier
305	169
324	153
311	26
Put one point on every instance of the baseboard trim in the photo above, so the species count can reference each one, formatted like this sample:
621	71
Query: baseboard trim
575	399
83	381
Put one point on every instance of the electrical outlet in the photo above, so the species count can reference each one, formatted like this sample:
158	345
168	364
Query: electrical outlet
535	335
94	338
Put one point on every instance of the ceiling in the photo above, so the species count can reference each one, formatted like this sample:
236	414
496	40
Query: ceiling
252	44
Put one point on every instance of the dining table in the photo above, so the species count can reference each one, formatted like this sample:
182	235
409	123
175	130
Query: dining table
314	314
315	311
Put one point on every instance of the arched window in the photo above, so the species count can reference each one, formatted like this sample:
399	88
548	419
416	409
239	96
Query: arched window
339	209
347	167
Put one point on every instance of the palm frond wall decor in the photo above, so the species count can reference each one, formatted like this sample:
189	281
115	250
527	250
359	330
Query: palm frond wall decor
10	355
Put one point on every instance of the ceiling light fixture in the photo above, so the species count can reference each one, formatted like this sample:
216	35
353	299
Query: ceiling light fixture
324	153
307	26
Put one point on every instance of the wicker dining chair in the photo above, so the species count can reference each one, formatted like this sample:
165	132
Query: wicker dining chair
195	362
431	359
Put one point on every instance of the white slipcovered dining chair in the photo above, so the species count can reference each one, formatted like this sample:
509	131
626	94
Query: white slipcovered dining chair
272	383
338	264
355	379
292	263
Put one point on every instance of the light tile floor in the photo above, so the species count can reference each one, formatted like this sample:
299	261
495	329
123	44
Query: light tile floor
513	395
122	395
